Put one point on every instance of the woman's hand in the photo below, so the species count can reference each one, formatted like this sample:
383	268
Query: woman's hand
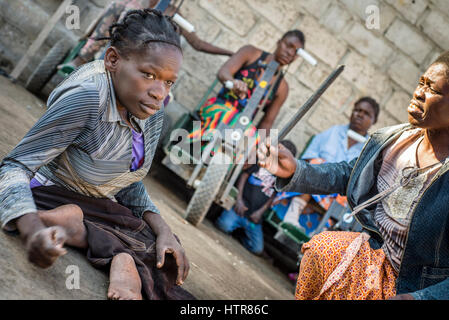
256	216
239	88
278	161
44	245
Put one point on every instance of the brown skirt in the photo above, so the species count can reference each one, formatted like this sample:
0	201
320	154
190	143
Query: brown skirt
113	229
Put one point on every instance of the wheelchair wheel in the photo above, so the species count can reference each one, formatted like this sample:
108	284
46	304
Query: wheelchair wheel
208	189
47	67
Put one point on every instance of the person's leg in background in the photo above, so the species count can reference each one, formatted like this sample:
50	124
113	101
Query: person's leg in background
228	221
296	207
253	240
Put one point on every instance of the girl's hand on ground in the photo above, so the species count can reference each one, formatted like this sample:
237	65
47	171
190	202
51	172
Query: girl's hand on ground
46	245
167	243
278	161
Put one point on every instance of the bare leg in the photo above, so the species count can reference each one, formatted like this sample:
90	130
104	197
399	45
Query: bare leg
124	280
70	217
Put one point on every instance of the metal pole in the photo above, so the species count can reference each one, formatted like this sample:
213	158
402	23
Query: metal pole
310	102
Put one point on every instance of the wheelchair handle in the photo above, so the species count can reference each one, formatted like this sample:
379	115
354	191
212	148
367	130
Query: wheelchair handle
229	84
183	23
307	56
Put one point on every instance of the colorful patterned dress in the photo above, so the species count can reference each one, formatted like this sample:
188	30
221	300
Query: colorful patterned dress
227	106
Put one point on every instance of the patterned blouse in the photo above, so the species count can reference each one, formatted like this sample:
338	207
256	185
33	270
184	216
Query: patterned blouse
393	214
250	75
82	144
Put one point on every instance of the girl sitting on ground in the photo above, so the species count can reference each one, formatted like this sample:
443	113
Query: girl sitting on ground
76	176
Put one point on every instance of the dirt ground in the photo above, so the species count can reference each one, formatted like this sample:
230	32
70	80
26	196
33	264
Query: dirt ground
220	268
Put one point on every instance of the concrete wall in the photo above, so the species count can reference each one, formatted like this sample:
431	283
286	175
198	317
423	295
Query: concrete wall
383	62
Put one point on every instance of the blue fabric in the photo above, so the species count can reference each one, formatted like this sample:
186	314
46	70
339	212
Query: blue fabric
309	221
288	195
34	183
285	195
332	146
254	181
229	221
424	270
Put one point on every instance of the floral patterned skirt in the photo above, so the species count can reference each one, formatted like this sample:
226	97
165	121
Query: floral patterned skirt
341	265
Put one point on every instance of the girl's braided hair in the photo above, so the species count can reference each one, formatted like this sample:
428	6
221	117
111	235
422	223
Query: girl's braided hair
140	27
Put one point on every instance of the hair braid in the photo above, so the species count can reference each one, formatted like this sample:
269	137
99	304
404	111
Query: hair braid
138	28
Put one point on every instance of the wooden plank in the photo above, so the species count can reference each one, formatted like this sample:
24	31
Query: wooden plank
40	39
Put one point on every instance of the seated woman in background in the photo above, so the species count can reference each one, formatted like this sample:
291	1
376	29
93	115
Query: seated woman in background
245	69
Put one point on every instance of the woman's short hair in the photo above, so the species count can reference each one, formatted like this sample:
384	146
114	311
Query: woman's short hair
296	33
373	103
140	27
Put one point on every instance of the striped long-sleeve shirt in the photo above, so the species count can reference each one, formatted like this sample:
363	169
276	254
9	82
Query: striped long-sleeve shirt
82	144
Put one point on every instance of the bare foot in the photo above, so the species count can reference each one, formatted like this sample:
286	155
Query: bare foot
124	280
70	217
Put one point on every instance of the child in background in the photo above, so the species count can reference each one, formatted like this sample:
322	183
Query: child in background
256	194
